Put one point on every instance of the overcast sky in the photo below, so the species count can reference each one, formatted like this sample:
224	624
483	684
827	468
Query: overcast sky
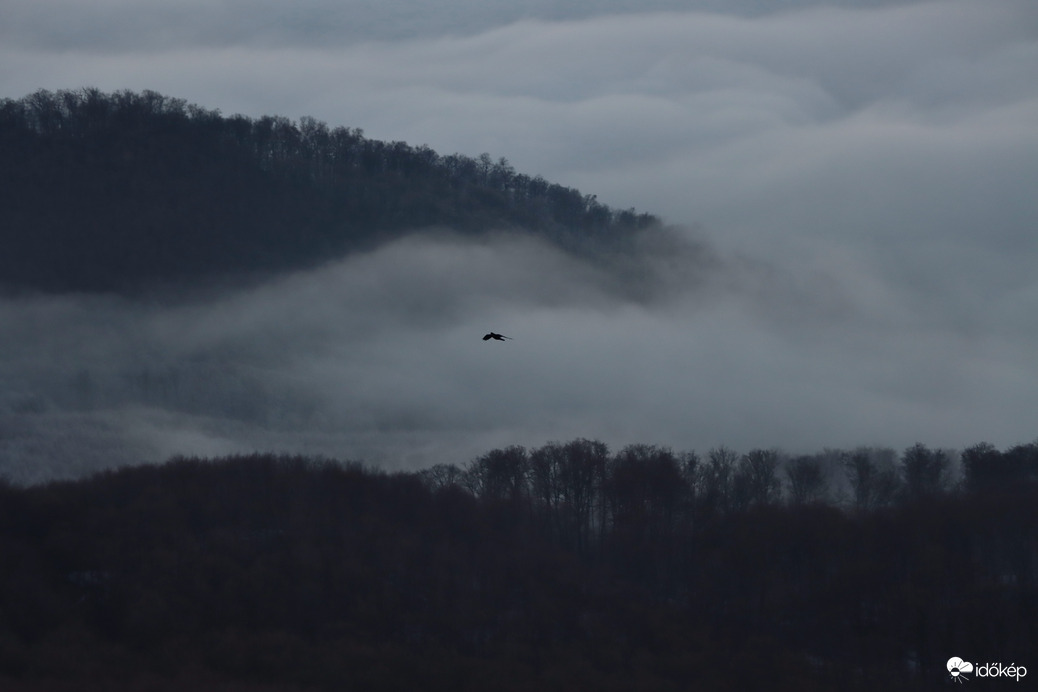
855	182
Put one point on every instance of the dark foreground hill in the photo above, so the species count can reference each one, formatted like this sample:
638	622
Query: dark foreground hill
276	573
111	192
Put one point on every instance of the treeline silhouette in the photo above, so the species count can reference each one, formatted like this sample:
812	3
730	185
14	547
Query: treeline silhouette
558	568
111	192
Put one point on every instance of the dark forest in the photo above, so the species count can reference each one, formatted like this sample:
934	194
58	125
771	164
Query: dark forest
124	191
558	568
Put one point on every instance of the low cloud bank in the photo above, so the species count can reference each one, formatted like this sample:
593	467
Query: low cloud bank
379	357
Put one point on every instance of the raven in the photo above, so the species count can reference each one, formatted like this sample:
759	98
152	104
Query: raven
498	337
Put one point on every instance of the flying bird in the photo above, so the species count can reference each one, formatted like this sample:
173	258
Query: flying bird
498	337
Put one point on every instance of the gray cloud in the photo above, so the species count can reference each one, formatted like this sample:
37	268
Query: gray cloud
379	357
116	25
862	175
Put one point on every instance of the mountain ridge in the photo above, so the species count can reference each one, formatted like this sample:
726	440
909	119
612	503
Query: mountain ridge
115	192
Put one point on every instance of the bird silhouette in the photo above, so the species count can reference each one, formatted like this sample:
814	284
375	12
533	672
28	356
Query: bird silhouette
497	337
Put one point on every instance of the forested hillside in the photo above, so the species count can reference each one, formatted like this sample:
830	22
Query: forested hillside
117	191
560	568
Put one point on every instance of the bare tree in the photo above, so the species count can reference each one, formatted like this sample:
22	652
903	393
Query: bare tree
756	480
715	481
873	477
500	474
566	482
924	470
807	483
441	476
645	489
